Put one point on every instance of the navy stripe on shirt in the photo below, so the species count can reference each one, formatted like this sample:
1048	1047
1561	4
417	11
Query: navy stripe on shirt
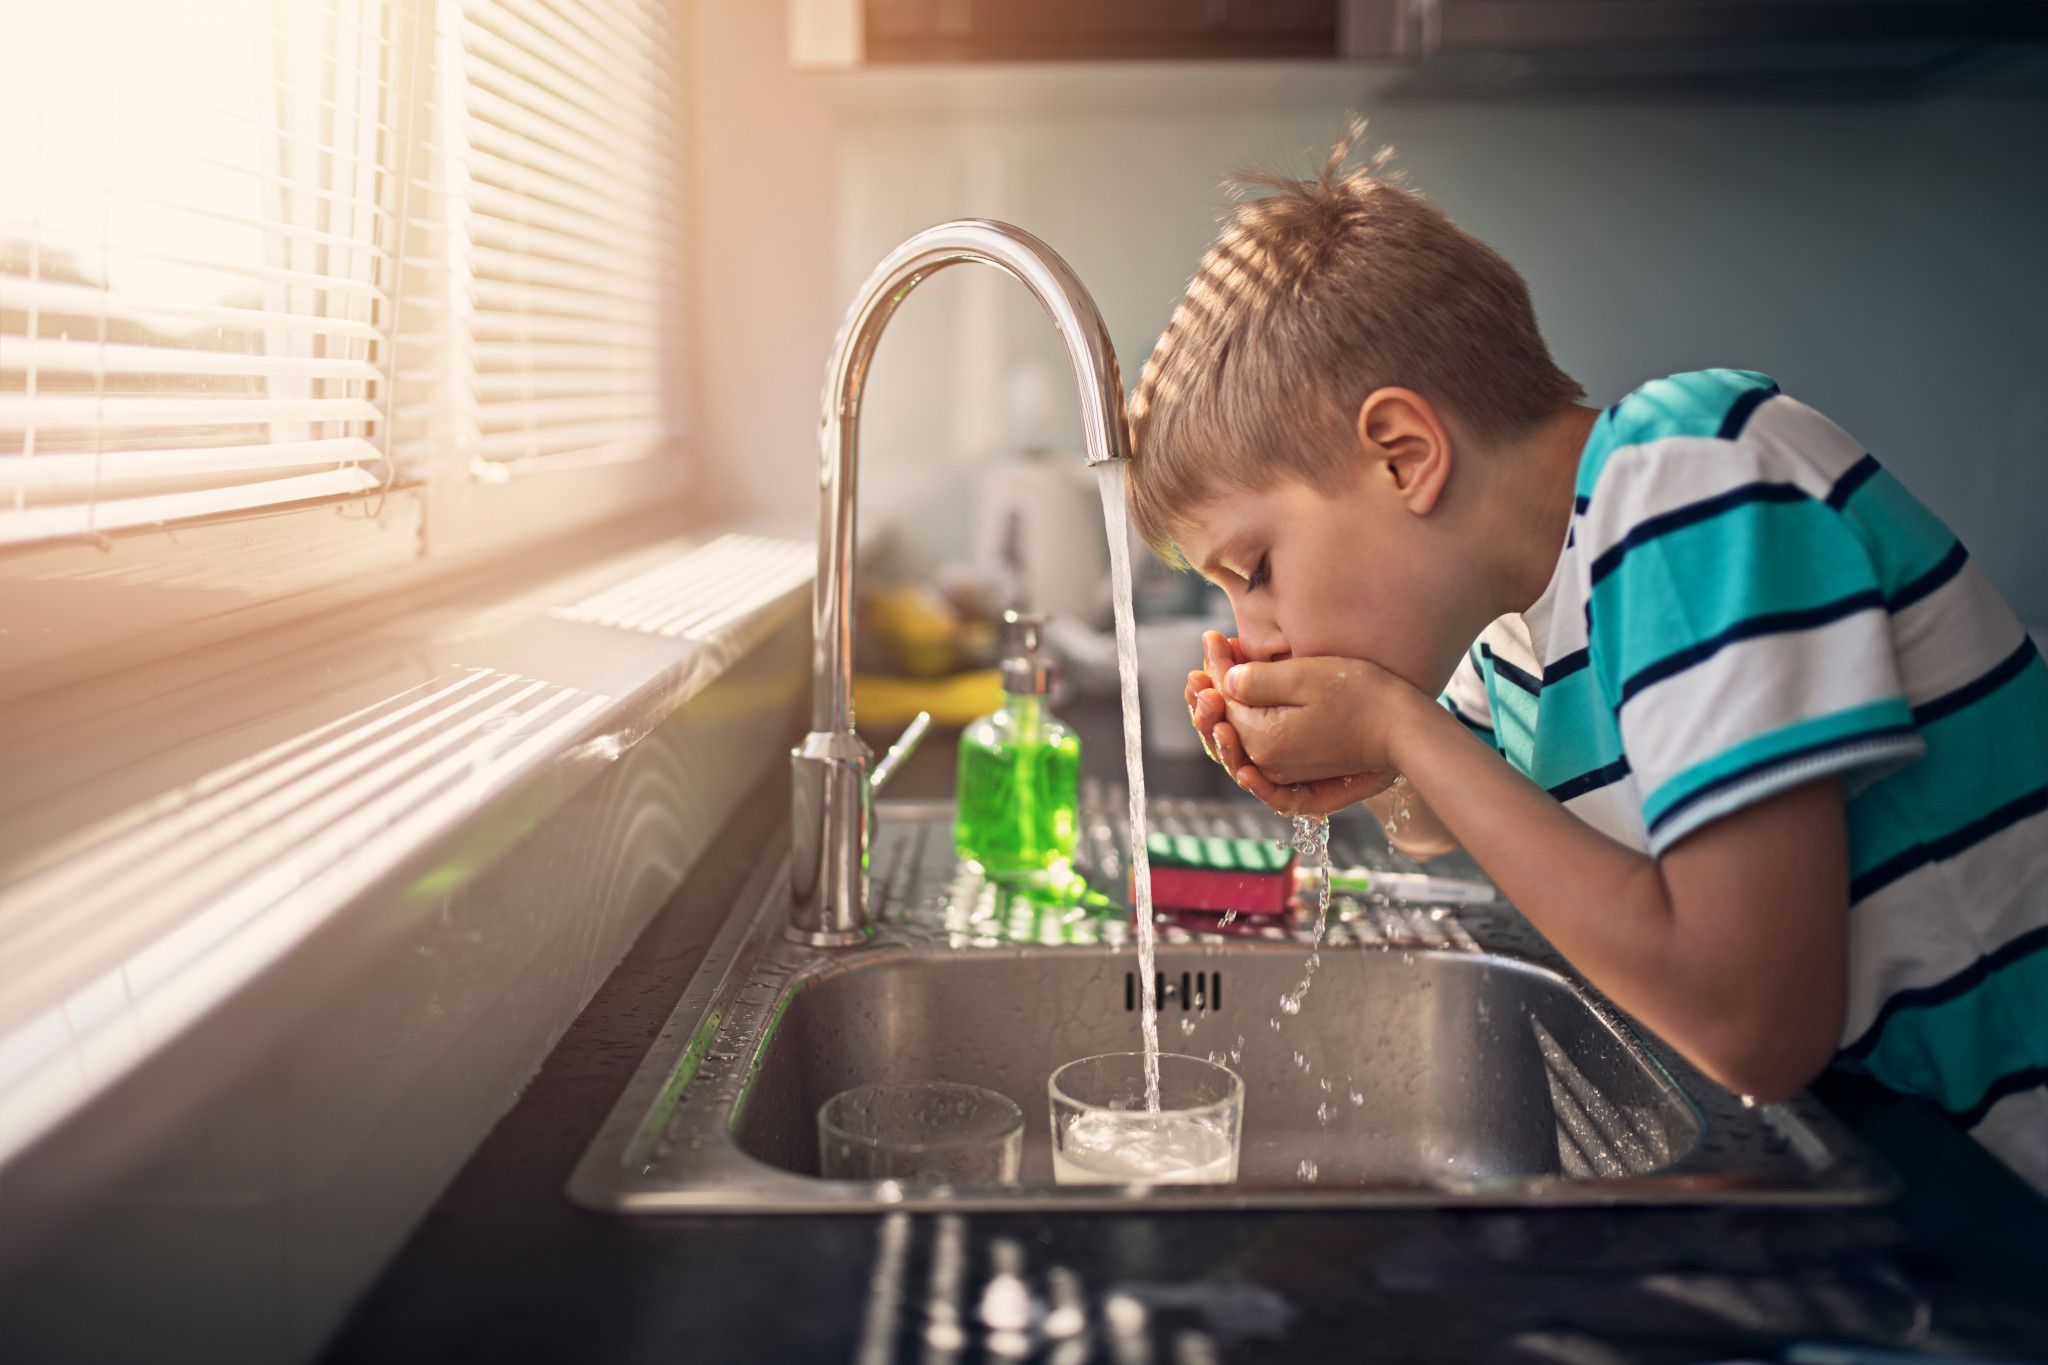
1564	666
1741	409
1951	564
1854	478
2001	673
1764	623
1605	775
1949	845
1649	528
2012	1083
1519	677
1939	992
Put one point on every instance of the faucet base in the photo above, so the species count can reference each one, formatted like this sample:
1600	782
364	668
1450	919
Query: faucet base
827	938
831	800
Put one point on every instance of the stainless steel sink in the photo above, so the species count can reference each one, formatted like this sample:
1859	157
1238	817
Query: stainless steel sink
1437	1059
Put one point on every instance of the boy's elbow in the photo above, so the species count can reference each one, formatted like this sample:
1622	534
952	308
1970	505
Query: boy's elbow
1769	1058
1424	847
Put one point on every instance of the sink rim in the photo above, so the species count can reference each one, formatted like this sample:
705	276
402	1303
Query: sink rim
680	1106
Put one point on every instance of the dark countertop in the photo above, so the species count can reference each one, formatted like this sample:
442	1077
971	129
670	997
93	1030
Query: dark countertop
504	1268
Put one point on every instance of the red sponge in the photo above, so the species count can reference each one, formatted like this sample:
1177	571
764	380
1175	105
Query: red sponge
1213	874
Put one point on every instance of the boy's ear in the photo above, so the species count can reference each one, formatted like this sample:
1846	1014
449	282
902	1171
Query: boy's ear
1406	446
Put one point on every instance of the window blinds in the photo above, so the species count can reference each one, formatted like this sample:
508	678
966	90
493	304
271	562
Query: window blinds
194	251
562	152
260	251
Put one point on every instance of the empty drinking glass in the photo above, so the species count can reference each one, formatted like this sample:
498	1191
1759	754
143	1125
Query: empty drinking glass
1102	1133
941	1132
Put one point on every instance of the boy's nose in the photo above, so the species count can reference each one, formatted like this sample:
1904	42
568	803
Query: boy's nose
1264	646
1258	636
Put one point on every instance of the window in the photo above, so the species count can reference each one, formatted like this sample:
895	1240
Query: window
267	261
561	152
194	262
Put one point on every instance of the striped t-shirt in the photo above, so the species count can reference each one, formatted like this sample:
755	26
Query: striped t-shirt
1747	601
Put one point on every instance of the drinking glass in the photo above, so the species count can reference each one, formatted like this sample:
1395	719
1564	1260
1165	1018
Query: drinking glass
940	1132
1103	1134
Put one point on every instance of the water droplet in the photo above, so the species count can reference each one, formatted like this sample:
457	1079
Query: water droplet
1301	1061
1358	1097
1306	1171
1290	1004
1748	1101
1323	1113
1187	1026
1325	1084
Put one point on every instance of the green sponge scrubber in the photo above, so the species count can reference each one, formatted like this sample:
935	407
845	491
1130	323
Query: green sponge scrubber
1214	874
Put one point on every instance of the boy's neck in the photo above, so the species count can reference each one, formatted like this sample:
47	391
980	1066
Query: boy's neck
1534	510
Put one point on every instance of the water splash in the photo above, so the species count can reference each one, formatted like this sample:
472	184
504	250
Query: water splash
1398	813
1311	843
1116	523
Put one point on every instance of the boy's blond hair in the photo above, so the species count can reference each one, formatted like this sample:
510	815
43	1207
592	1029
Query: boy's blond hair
1316	293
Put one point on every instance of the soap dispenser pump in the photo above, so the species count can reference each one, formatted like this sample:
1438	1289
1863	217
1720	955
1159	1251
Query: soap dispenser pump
1019	785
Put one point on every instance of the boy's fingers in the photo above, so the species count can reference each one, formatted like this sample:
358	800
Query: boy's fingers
1229	749
1204	714
1285	800
1216	655
1262	685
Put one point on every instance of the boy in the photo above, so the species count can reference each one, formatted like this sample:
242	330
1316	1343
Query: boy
1744	733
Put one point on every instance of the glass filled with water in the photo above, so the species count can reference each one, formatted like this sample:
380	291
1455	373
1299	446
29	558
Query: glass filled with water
1105	1133
934	1132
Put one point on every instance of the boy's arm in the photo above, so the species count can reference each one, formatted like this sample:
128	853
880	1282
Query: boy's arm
1732	947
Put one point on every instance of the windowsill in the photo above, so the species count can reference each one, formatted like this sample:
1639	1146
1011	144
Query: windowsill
168	833
77	609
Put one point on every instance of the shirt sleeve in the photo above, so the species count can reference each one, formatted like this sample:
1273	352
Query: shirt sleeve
1465	697
1738	630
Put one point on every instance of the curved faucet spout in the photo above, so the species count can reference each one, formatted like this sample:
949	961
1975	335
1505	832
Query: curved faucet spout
828	881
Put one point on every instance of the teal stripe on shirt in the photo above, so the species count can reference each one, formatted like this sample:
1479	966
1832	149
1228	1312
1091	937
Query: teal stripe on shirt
1901	536
1980	758
1792	557
1694	404
1514	716
1952	1052
1786	744
1579	731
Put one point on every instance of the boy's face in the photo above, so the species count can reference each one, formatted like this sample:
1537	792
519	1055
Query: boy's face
1352	574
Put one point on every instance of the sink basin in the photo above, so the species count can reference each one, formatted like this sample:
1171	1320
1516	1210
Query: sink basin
1436	1059
1439	1064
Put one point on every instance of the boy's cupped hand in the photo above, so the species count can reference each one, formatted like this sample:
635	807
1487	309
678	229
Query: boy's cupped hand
1305	736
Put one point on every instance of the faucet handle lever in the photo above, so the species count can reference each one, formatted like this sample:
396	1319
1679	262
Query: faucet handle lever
905	745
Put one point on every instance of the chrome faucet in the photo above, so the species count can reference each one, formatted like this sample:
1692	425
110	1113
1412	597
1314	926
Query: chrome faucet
831	801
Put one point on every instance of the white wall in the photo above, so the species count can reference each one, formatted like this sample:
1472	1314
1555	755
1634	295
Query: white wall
1883	260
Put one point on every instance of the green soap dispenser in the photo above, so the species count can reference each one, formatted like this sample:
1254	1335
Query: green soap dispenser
1020	771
